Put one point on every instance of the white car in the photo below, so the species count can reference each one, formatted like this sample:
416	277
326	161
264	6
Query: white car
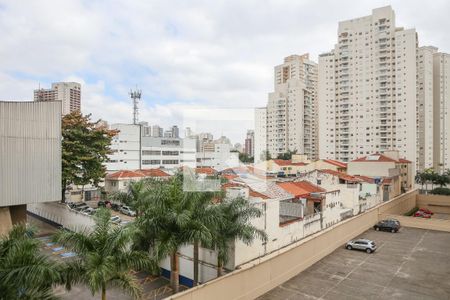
116	219
127	211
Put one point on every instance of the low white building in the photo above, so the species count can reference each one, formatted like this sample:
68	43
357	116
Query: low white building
218	156
132	150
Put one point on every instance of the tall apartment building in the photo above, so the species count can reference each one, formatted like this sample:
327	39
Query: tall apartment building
260	133
367	89
69	93
291	114
425	110
441	91
249	143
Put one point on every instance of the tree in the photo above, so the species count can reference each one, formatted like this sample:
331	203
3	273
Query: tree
105	257
441	179
163	223
286	155
234	223
202	219
265	156
245	158
26	273
136	196
85	147
421	178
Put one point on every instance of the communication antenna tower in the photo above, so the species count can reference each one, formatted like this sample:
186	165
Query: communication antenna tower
135	96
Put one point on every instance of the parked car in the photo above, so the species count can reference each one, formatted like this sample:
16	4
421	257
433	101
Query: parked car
88	211
127	211
116	206
421	214
125	222
116	219
361	244
102	203
81	207
426	211
391	225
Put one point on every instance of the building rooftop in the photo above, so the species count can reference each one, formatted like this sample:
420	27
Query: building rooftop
336	163
301	188
125	174
378	157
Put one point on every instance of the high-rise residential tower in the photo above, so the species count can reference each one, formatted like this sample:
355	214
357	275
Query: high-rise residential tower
260	133
291	114
367	89
69	93
441	90
250	143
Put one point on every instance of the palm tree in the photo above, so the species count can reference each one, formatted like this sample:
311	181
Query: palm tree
164	222
105	257
421	178
234	224
26	273
135	196
202	219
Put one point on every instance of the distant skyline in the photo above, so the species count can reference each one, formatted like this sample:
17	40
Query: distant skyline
183	55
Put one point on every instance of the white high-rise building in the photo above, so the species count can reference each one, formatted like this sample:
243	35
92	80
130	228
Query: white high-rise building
441	84
291	121
425	107
69	93
260	133
367	89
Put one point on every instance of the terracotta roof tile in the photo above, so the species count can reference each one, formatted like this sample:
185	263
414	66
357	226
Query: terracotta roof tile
282	162
336	163
301	188
341	175
205	170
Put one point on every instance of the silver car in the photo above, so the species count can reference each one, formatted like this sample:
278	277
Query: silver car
361	244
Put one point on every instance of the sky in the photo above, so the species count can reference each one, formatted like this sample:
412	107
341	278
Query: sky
186	56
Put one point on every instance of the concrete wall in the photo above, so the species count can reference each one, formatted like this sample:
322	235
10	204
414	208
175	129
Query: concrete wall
430	224
259	276
61	214
435	203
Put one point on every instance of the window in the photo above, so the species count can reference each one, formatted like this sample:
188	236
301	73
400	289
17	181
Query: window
151	152
151	162
170	162
170	153
170	142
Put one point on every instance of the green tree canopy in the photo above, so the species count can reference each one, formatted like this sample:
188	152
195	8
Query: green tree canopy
26	273
85	146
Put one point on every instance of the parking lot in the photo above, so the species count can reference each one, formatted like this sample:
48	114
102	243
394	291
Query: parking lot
411	264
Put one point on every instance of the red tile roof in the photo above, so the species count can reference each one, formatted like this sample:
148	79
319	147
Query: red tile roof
336	163
365	178
404	161
282	162
205	170
251	192
301	188
137	174
154	173
380	158
341	175
257	194
125	174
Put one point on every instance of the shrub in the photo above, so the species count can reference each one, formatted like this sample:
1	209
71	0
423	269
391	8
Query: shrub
441	191
412	211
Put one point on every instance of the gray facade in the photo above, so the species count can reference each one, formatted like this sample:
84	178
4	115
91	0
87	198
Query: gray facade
30	152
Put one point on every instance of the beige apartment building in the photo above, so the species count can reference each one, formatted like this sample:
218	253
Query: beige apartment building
367	89
291	112
69	93
441	92
260	133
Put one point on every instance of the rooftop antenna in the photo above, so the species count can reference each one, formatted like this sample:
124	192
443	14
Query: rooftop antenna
135	96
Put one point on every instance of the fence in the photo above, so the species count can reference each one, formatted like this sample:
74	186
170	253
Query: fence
258	277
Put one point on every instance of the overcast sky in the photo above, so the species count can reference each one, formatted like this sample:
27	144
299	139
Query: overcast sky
183	55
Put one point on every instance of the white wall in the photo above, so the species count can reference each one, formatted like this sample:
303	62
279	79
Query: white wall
30	152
